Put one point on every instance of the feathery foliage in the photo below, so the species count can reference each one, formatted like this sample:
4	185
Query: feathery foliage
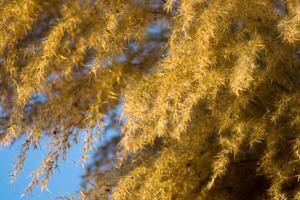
210	93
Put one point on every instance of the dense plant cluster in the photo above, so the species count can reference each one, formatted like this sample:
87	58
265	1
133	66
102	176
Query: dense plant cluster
209	89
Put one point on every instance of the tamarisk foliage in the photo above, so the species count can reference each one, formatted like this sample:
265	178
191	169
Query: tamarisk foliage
210	92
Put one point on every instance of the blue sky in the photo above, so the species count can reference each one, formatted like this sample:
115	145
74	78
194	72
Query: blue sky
64	181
